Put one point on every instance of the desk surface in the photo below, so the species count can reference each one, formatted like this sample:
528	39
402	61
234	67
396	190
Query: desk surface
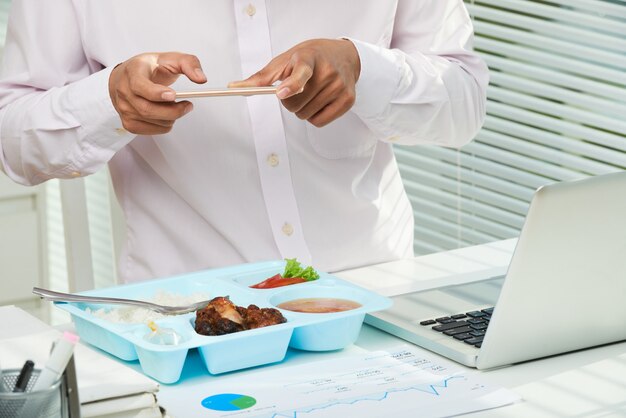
587	383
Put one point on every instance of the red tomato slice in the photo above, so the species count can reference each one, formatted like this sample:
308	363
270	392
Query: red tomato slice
277	281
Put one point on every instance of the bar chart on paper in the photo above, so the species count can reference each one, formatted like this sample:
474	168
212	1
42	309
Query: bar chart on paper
386	383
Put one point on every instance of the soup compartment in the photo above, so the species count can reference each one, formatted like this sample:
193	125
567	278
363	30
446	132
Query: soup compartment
330	330
164	361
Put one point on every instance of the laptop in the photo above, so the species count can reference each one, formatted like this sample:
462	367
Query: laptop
564	289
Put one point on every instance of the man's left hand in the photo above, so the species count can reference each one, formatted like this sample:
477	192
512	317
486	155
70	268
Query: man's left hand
318	79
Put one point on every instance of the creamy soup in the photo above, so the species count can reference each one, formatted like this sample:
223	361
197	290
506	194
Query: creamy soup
319	305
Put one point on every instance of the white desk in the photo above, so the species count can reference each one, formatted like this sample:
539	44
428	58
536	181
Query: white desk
588	383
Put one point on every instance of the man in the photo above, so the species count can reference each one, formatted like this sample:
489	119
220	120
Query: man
306	173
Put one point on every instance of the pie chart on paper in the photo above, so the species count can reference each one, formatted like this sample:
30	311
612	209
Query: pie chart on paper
228	402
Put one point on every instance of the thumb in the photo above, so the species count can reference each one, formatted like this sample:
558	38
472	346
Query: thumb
267	76
256	80
172	64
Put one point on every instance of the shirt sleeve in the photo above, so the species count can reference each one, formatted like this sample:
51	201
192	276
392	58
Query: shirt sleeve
428	87
56	117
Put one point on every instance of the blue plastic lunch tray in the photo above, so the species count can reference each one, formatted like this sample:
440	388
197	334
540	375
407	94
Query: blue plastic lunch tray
224	353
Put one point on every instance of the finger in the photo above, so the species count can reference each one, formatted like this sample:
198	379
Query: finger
145	88
301	73
315	91
256	80
187	64
267	76
157	110
315	104
141	127
133	79
331	112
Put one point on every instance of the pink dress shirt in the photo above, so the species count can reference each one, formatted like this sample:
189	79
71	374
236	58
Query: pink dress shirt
240	179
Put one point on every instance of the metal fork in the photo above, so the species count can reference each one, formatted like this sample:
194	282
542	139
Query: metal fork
166	310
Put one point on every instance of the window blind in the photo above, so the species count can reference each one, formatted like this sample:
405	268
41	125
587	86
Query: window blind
556	111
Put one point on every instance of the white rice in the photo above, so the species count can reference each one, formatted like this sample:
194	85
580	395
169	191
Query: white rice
135	315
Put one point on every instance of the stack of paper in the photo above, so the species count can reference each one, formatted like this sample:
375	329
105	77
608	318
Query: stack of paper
404	381
106	387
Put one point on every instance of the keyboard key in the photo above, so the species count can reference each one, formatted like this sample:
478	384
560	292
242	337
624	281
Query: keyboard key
455	331
476	314
450	325
473	340
488	311
428	322
477	333
479	326
463	337
476	321
445	321
443	318
478	345
458	316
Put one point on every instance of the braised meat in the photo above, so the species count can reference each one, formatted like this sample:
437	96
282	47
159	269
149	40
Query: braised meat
255	317
221	316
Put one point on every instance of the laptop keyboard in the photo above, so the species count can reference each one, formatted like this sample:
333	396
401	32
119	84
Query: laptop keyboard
469	327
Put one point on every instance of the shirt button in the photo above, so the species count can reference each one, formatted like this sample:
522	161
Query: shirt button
287	229
273	160
250	10
75	174
393	138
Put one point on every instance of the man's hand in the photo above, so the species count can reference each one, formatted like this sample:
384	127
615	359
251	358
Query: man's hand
139	92
318	79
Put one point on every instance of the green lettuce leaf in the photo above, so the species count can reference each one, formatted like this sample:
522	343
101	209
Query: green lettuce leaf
294	269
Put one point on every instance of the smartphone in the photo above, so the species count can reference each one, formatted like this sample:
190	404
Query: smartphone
235	91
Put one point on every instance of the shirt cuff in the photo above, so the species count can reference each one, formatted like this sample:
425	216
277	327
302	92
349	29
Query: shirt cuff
379	79
88	100
91	105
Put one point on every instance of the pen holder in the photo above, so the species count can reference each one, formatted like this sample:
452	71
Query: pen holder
47	403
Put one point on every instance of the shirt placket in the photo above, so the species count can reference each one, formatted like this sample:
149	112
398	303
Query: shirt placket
269	134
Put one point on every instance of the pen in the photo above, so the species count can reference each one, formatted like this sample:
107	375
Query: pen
24	377
55	366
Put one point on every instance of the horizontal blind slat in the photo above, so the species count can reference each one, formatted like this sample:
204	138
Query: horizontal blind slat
544	154
468	190
509	111
611	159
469	205
440	240
547	59
555	46
581	102
558	36
488	167
601	8
447	228
554	109
558	13
591	88
414	163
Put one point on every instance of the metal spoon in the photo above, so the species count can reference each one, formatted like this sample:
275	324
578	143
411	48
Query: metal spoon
166	310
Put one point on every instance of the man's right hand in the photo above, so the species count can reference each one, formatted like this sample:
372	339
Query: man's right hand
139	90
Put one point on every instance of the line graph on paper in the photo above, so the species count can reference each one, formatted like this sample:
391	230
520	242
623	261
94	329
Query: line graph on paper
435	389
380	384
